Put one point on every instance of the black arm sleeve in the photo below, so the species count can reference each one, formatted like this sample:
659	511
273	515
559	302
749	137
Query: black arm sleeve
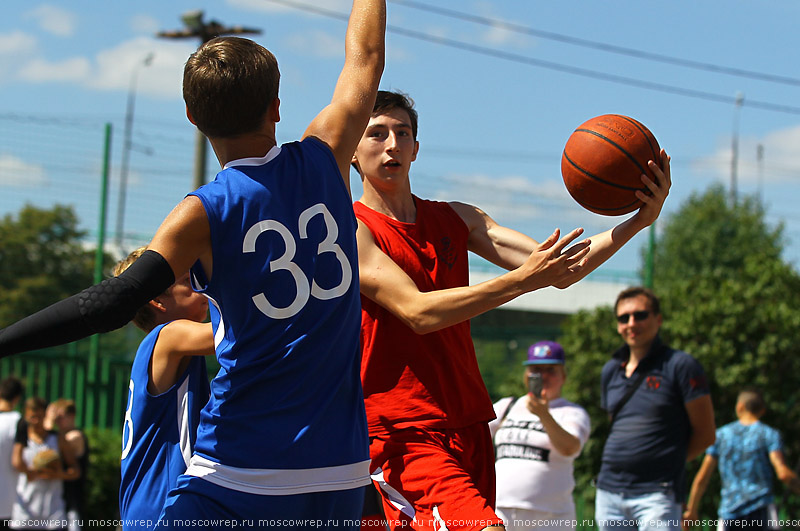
101	308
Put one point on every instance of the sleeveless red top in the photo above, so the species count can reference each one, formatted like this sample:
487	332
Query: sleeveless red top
412	380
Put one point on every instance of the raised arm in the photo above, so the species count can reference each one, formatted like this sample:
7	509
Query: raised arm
341	124
387	284
508	248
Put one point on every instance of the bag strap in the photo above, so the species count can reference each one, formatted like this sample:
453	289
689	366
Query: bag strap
632	389
508	408
501	419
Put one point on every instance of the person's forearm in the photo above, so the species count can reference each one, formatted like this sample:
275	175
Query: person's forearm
696	494
605	244
434	310
563	441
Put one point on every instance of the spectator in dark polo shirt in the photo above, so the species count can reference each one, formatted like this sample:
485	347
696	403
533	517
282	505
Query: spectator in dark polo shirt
661	417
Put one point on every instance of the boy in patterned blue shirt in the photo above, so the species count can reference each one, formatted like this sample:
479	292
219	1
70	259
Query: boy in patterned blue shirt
745	450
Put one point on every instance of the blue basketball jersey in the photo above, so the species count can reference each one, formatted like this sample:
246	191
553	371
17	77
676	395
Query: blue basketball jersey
286	413
158	436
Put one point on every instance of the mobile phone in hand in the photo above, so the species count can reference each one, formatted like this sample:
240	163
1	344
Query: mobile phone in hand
535	384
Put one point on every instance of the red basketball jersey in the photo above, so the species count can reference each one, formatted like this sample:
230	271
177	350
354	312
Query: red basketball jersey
413	380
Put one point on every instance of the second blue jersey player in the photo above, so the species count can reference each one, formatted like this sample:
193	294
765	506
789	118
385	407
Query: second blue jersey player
167	390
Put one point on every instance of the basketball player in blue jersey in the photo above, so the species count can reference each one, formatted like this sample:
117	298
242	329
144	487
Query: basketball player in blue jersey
283	438
168	388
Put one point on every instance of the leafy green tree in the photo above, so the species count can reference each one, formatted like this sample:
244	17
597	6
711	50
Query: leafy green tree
41	260
729	300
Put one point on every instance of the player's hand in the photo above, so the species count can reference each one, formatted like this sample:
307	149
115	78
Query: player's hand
654	201
553	263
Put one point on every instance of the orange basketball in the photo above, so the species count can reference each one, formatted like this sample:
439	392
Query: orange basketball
603	162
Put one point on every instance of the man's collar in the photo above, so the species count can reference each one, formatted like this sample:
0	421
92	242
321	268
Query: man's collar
623	354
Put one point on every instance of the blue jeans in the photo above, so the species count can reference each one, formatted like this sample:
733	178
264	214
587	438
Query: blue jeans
654	511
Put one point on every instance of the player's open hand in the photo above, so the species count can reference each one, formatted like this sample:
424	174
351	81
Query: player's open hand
553	263
659	190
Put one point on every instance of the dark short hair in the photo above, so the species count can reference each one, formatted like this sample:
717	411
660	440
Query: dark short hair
752	401
228	85
636	291
11	388
387	101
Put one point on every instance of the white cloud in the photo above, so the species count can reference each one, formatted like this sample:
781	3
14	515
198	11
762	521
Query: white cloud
507	198
16	172
40	70
15	47
318	43
780	149
55	20
17	43
144	24
116	66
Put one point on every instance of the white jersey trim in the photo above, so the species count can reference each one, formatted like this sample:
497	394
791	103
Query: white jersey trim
255	161
183	420
277	482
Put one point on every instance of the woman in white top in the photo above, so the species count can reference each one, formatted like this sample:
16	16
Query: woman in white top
44	463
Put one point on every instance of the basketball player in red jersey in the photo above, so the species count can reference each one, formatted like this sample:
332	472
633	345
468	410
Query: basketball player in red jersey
427	406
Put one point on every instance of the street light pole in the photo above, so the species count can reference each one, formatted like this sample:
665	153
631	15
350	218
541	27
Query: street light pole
196	28
735	148
126	152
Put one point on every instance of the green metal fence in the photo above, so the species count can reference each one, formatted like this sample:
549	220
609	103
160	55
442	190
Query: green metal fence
97	384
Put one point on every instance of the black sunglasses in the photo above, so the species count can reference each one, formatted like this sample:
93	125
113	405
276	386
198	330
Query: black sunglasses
637	316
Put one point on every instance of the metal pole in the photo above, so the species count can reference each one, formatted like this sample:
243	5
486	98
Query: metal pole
200	158
760	159
126	154
650	260
196	27
735	149
94	341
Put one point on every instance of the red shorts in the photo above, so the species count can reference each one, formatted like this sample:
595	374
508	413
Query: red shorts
436	479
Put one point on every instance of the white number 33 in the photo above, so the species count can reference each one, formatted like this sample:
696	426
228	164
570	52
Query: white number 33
304	288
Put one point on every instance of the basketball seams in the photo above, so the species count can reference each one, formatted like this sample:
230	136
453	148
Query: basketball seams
603	161
622	149
596	178
653	149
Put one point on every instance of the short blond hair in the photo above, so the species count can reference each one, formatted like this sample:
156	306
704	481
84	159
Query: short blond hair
145	317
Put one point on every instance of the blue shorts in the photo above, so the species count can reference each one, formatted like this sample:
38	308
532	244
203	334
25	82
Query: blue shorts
199	504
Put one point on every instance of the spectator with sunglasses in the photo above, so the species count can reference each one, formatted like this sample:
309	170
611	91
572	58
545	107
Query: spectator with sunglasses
661	417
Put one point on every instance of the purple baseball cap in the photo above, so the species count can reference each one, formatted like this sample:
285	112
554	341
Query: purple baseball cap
545	353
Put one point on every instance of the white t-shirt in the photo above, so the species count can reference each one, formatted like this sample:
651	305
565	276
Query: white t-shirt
39	503
8	475
531	474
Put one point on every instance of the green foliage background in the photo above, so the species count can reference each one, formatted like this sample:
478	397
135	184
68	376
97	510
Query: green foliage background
729	300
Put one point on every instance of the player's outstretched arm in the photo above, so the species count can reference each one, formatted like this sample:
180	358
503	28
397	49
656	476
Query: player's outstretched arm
384	282
341	124
605	244
182	239
177	342
100	308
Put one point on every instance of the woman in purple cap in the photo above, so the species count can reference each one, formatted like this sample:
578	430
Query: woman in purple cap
537	438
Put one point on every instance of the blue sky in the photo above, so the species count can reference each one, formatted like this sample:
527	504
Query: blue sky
496	102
